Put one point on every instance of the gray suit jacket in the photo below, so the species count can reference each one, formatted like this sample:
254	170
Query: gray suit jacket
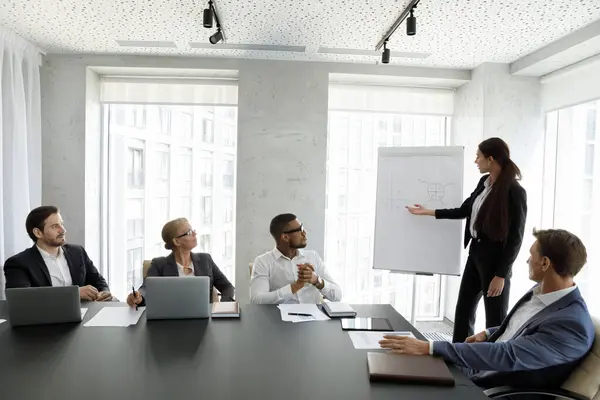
203	266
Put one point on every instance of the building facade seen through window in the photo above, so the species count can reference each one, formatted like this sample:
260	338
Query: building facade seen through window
179	162
354	138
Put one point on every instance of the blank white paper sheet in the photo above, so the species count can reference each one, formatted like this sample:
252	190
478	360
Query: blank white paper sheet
370	340
116	316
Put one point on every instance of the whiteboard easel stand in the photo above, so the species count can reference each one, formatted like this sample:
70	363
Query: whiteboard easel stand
413	305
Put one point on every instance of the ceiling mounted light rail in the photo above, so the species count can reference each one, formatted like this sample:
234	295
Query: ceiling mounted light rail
208	15
411	29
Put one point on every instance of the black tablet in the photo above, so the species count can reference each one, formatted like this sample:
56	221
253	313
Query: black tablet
366	324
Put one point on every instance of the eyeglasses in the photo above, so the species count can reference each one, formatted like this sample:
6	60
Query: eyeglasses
187	233
300	229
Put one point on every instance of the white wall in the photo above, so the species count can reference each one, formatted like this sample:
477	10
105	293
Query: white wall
93	140
467	131
282	142
496	103
282	135
63	144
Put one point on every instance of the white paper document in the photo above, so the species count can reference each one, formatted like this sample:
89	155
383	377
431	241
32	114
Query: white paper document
83	312
2	320
116	316
370	340
310	313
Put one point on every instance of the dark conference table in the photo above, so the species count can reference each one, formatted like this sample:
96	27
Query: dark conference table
255	357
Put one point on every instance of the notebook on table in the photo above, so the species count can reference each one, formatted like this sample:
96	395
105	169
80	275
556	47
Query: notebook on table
227	309
409	369
339	310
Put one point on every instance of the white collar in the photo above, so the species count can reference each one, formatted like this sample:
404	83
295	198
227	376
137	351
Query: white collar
552	297
45	254
182	269
487	182
278	254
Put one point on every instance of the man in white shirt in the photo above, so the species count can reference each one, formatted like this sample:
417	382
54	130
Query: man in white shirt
543	338
52	262
288	273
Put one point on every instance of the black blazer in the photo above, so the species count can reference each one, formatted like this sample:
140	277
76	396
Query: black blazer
203	266
28	269
499	255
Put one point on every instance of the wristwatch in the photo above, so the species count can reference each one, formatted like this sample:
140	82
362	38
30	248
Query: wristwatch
320	284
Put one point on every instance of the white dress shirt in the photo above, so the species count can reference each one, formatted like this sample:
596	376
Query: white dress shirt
476	206
60	275
273	273
527	310
181	270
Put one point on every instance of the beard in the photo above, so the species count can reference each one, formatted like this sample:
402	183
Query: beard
56	242
300	245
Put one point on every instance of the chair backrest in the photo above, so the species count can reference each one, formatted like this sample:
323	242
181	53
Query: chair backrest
585	380
146	267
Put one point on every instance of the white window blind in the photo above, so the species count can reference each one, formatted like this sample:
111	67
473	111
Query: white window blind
573	85
177	91
391	99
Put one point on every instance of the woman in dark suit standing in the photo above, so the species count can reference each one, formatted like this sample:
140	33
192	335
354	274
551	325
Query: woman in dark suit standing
495	214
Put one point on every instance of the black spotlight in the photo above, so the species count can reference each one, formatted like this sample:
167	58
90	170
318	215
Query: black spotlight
411	24
216	37
385	57
207	17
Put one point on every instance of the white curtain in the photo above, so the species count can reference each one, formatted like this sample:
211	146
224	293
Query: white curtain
176	91
391	99
576	84
20	146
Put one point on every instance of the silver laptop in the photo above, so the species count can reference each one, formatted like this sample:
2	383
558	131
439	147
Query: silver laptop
173	297
43	305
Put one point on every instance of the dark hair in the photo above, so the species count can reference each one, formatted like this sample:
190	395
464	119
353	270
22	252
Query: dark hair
566	252
279	223
493	219
36	219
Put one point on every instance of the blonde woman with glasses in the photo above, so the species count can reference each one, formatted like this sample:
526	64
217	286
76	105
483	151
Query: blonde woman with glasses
180	238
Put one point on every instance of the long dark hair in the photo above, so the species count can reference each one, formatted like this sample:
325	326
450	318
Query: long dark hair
493	218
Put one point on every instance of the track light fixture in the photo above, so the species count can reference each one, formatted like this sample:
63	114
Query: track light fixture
209	14
385	56
411	23
216	37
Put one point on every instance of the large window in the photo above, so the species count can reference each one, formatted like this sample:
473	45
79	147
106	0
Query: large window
572	185
169	154
354	138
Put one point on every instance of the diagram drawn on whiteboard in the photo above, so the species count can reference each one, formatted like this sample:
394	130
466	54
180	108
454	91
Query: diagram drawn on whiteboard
435	190
397	199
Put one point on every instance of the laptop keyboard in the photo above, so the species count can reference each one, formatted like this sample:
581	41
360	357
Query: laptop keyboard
438	336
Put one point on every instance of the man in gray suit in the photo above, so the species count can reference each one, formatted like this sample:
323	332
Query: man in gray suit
544	337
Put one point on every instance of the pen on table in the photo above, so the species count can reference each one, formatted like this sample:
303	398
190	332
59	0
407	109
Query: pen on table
133	291
300	314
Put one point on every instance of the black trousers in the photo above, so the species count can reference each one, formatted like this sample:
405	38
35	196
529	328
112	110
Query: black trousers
474	284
